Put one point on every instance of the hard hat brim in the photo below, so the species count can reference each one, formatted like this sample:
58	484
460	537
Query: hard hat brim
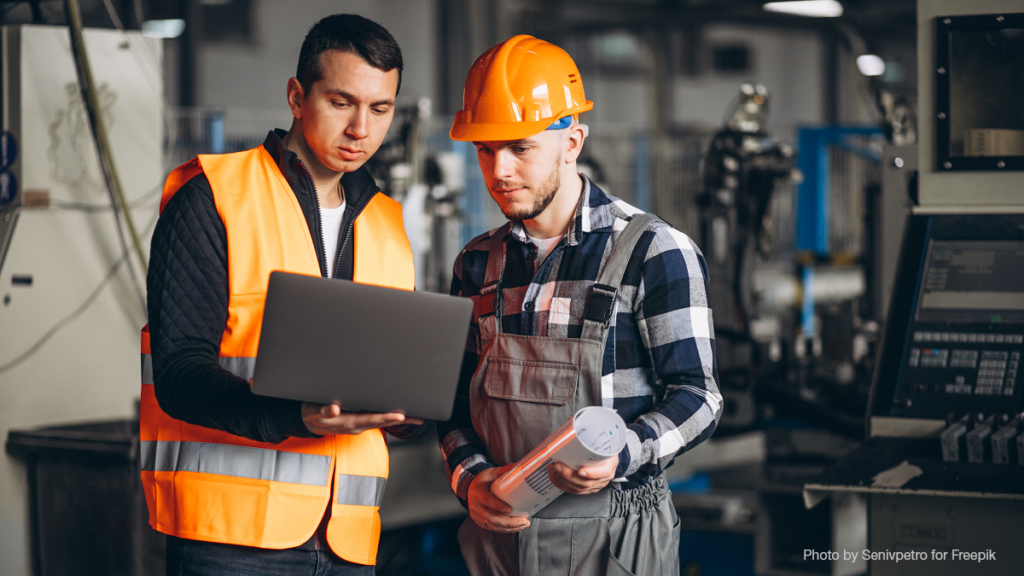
478	132
497	132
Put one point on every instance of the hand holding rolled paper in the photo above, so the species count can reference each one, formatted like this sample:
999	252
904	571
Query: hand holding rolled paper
588	479
591	436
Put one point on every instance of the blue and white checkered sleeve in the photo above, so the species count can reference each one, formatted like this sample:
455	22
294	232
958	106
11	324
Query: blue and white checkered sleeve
464	453
674	320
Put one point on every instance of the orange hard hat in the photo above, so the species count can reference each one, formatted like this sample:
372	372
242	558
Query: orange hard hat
518	89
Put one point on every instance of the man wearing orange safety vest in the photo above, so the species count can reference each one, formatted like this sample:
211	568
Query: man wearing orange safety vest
243	483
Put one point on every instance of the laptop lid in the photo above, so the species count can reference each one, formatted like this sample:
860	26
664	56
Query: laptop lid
369	348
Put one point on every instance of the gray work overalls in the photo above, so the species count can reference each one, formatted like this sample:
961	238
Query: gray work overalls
523	389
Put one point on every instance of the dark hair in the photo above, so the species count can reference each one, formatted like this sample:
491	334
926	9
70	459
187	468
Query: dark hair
348	33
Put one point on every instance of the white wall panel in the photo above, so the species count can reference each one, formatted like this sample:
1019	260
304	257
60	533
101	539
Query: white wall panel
89	369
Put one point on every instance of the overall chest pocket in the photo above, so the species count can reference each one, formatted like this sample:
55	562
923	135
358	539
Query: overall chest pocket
534	381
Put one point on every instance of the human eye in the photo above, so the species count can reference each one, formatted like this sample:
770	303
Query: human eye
483	150
381	110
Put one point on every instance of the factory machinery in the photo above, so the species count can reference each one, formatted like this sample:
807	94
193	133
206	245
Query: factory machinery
869	323
876	356
941	470
794	330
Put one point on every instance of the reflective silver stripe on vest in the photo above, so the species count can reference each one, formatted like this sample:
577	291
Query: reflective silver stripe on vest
241	367
238	461
147	369
360	490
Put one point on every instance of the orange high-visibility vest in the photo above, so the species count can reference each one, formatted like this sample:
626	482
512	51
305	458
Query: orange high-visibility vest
206	484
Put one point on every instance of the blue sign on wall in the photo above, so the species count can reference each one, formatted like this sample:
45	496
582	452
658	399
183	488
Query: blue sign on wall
8	188
8	150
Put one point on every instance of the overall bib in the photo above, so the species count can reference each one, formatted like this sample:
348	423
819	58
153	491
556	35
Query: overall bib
523	389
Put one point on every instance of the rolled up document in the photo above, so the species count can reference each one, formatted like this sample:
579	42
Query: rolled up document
592	435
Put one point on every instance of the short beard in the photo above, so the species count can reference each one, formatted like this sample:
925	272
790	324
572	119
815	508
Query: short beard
545	194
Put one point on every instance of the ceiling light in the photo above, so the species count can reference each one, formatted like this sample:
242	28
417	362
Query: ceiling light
870	65
811	8
163	28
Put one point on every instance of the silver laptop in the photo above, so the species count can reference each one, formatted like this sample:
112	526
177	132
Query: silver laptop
370	348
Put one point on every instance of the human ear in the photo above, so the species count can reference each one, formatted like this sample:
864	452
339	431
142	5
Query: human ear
574	143
295	97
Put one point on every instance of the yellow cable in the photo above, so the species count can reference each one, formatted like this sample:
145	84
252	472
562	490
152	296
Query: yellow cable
74	17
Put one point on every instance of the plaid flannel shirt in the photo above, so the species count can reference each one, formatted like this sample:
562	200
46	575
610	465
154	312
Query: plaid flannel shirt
659	370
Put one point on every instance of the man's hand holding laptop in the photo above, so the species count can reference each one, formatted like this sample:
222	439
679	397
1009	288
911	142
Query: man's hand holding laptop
326	419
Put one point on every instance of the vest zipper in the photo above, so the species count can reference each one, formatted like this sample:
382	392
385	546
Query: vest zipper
319	219
348	229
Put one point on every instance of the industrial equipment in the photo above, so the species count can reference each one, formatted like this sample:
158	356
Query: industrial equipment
793	323
944	400
941	468
742	169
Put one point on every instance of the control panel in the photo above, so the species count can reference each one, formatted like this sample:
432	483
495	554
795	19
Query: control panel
981	365
963	336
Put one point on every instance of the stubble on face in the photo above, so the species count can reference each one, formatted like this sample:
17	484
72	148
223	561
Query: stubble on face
541	198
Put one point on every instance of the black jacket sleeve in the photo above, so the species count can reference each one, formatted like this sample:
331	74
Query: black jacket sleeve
187	289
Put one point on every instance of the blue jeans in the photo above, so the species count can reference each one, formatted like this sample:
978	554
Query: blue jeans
195	558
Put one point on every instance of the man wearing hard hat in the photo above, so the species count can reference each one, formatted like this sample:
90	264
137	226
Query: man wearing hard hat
580	300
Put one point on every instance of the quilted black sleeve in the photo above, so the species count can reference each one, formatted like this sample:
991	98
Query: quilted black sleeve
187	289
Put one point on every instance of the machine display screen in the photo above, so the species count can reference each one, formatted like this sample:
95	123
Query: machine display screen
965	336
972	281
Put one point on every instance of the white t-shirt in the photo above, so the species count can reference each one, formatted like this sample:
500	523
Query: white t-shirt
544	246
330	219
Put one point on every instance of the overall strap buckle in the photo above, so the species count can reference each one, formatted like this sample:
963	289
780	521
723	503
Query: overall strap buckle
487	301
601	303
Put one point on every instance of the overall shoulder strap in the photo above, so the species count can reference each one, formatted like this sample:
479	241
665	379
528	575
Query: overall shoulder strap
601	301
490	293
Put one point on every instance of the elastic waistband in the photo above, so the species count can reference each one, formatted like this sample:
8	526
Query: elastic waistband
608	503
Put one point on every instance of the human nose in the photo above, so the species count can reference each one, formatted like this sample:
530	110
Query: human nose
503	165
358	126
